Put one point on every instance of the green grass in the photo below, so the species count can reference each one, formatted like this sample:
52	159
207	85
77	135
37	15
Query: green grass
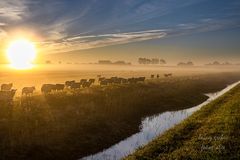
70	125
213	132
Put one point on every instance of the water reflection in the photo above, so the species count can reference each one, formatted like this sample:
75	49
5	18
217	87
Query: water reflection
150	128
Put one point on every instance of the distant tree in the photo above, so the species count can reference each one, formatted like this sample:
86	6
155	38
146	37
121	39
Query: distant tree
162	61
104	62
141	60
185	64
216	63
48	62
181	64
227	63
155	61
189	63
151	61
122	63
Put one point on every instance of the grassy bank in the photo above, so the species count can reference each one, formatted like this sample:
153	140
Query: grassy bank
210	133
73	124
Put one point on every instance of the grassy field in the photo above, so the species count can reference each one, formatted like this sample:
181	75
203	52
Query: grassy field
210	133
73	124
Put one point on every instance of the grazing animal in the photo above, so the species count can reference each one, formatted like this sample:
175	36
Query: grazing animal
113	79
7	95
47	88
6	87
101	79
28	90
92	80
141	79
75	86
86	84
82	81
168	75
59	87
118	81
152	76
103	82
69	83
132	80
124	81
158	76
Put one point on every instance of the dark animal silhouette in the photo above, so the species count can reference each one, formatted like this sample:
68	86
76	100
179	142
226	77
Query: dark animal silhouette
91	80
168	75
82	81
6	87
104	82
7	96
141	79
86	84
75	86
118	81
47	88
28	90
101	79
132	80
59	87
124	81
69	83
152	76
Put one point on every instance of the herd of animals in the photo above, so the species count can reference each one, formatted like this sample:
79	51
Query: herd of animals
7	93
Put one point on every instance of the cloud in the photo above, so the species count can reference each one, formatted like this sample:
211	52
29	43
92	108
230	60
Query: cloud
79	42
74	25
93	41
12	10
3	34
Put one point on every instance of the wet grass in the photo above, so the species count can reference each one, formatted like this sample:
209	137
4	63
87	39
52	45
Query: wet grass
73	124
210	133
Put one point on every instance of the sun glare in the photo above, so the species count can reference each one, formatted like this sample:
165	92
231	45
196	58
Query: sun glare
21	54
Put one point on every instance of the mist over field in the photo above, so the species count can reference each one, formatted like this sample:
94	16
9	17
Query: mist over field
122	79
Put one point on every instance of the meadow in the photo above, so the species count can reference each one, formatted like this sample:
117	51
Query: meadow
73	124
210	133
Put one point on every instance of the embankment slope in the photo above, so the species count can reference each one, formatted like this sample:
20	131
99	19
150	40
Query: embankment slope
210	133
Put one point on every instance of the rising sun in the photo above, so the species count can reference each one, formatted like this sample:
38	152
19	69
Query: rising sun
21	54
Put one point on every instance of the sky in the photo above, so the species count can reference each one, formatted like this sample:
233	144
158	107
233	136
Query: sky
197	30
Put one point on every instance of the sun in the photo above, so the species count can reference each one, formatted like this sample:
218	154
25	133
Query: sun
21	54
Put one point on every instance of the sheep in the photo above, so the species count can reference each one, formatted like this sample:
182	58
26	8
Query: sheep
75	86
168	75
7	95
82	81
91	80
59	87
47	88
101	79
69	83
141	79
104	82
28	90
86	84
6	87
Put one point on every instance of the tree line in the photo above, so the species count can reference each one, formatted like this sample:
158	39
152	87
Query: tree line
151	61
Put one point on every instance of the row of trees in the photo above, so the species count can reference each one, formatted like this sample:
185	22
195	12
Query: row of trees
116	62
151	61
189	63
216	63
